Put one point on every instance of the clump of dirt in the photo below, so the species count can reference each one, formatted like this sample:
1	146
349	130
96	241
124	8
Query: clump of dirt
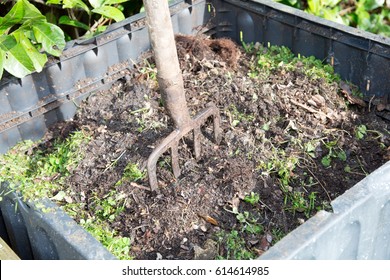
290	142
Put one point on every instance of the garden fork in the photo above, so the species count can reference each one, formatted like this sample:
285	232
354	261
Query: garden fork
172	89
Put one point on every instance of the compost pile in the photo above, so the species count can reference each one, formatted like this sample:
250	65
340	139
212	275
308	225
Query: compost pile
290	145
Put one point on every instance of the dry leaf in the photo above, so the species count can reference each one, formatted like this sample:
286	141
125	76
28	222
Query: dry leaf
346	90
208	219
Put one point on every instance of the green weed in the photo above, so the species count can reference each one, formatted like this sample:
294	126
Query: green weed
148	71
281	164
234	245
236	117
360	131
299	202
110	206
117	245
334	151
277	235
272	58
249	223
132	173
252	199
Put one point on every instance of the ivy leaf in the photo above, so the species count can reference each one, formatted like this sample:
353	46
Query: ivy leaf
50	36
110	12
68	21
16	60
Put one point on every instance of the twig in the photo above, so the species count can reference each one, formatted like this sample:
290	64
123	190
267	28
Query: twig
369	103
311	110
138	227
102	21
139	111
115	161
322	186
361	166
346	11
134	184
263	203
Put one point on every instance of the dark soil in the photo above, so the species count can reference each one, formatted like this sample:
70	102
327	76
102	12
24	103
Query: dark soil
264	119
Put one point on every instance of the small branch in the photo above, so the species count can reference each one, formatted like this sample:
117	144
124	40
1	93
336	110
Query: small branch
369	104
323	187
102	21
115	161
346	11
134	184
311	110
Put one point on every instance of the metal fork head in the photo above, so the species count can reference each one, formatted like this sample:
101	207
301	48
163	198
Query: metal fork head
172	142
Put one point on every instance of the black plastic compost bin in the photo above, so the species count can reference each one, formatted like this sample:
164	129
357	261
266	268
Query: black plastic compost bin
28	106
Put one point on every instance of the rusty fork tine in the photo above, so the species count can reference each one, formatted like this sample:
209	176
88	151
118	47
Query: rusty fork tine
197	142
155	155
217	127
172	142
175	159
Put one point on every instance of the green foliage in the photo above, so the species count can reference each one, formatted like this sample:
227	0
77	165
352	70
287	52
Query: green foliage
234	245
132	173
360	131
100	13
249	223
300	202
252	199
328	9
237	117
280	164
24	31
278	58
373	16
119	246
334	151
110	206
369	15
